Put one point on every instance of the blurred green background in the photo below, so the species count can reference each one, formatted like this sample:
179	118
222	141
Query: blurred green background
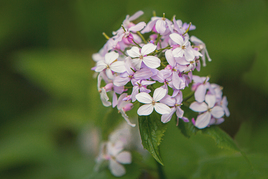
49	101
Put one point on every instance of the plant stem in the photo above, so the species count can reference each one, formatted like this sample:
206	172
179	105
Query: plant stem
160	170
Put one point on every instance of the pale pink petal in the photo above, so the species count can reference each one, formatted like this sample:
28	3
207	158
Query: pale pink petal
119	81
167	117
179	112
151	61
178	52
137	63
144	98
101	65
162	108
135	16
160	26
144	73
110	57
114	100
137	27
115	148
199	107
124	115
145	110
117	169
200	93
170	58
217	112
189	55
134	52
176	38
177	81
118	66
124	157
109	73
104	98
148	48
168	100
210	100
159	94
203	120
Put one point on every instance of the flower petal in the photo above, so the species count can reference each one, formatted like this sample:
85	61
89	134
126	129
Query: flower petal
118	66
176	38
200	93
137	63
135	16
148	48
134	52
199	107
101	65
144	98
117	169
170	58
124	157
162	108
203	120
178	52
210	100
137	27
160	26
151	61
145	110
110	57
159	94
217	112
167	117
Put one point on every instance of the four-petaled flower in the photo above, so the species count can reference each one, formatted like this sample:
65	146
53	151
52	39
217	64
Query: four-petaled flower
110	63
207	110
140	56
152	103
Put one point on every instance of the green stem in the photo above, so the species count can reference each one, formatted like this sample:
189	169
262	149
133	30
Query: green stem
141	36
136	43
160	170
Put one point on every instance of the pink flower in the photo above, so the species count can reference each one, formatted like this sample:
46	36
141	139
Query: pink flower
207	110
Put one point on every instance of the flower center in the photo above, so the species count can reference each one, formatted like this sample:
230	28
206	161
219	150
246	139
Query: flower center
153	102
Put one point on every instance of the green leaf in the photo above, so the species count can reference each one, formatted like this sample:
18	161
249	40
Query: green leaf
187	128
152	131
222	139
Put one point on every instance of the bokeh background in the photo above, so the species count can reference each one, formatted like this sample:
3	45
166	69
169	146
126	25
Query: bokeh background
49	103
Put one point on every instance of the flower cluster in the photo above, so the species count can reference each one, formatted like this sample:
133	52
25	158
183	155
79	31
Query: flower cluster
153	63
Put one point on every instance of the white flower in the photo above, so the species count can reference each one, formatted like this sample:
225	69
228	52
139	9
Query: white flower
209	109
184	49
117	157
110	63
152	103
141	56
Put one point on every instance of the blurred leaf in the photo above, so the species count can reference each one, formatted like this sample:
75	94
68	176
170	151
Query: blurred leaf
187	128
222	139
109	122
152	131
62	73
232	166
